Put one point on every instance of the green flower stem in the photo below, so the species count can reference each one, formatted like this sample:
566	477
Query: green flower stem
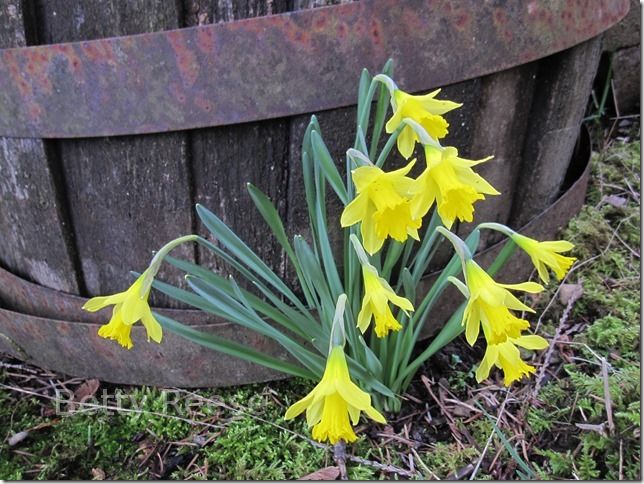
409	246
381	110
383	347
361	142
459	246
338	329
498	227
365	105
388	146
422	259
508	249
397	342
394	250
157	260
450	331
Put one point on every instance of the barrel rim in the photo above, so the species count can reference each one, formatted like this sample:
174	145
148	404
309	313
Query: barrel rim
203	76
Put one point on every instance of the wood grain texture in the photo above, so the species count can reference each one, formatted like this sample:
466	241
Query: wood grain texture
127	195
226	158
562	87
338	132
499	130
33	228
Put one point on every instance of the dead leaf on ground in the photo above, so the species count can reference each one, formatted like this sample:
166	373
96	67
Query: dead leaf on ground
86	389
615	200
570	292
330	473
98	474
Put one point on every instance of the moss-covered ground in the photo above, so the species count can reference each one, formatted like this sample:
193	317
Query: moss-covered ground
577	418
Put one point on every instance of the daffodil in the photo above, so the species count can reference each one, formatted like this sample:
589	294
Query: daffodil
117	330
451	183
506	356
375	304
382	206
335	403
425	110
489	304
546	254
129	307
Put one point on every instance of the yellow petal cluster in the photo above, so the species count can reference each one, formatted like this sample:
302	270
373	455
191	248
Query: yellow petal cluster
546	254
129	307
375	304
335	403
506	355
382	206
490	305
450	182
426	110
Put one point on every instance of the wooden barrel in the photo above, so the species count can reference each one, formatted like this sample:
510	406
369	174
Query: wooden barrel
110	138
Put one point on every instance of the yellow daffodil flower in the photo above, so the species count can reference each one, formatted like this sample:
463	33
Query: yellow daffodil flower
129	307
451	182
546	253
506	356
378	295
334	401
489	304
425	110
382	206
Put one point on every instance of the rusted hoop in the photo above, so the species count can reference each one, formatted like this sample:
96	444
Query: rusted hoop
250	69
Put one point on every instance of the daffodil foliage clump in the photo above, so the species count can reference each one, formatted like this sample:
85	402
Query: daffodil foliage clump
353	330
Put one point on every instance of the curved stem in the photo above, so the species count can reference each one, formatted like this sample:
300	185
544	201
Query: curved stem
155	263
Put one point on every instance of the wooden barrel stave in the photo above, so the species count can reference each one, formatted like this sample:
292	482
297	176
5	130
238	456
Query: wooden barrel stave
34	231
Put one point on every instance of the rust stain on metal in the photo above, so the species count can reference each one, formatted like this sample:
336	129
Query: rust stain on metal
272	66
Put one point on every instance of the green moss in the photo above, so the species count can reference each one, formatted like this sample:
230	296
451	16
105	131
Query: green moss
447	458
606	234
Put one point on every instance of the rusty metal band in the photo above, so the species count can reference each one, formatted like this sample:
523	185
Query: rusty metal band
48	328
279	65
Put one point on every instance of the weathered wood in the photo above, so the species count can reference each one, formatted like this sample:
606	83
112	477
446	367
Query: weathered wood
499	129
462	121
226	158
127	195
562	86
338	132
33	229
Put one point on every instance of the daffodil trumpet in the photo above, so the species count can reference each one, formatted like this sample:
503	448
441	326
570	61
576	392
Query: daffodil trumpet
132	305
382	206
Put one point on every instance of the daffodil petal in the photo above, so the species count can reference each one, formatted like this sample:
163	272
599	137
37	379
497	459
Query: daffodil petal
490	357
375	415
532	342
529	287
99	302
152	326
355	211
298	407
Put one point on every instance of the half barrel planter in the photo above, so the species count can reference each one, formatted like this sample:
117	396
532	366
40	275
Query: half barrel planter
116	118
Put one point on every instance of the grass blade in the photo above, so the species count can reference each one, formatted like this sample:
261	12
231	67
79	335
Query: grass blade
323	158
